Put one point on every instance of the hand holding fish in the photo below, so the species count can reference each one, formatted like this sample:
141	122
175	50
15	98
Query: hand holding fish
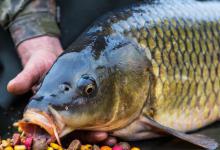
94	137
140	72
37	56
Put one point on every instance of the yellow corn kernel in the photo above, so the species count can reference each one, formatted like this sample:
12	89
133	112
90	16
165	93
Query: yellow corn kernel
135	148
82	147
5	143
20	147
55	146
87	147
8	148
19	129
49	148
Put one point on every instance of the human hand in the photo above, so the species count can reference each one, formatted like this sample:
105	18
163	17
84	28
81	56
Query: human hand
92	137
37	56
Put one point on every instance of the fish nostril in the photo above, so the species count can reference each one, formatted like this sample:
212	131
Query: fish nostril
37	98
53	95
65	87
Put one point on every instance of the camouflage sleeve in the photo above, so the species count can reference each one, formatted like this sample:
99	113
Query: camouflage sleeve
27	19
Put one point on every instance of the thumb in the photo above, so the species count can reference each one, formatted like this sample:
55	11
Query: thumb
23	82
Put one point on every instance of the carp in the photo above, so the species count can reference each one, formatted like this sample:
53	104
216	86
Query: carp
139	72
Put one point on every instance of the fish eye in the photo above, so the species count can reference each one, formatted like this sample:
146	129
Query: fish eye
87	85
89	89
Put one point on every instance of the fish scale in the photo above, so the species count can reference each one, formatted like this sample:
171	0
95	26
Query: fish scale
184	44
137	72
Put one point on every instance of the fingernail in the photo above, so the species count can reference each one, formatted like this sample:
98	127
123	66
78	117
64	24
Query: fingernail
11	82
101	135
10	86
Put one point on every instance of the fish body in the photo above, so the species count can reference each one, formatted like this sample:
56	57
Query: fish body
182	43
151	65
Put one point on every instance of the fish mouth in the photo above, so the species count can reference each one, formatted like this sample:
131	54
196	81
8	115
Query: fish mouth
37	124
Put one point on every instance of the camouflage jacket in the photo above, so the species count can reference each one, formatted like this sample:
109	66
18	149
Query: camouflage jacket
26	19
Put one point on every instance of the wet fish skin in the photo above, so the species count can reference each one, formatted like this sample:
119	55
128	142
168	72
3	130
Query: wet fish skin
182	41
158	60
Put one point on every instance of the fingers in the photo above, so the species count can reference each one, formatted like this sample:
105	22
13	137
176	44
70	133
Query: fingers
110	141
37	55
98	137
88	136
24	80
94	137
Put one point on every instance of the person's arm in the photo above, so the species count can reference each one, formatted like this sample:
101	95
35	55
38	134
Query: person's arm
28	19
35	33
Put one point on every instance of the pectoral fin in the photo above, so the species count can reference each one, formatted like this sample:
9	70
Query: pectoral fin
197	139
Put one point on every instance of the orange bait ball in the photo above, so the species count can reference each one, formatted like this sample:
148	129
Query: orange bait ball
105	148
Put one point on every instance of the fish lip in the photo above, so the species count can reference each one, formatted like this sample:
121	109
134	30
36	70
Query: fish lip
60	122
41	119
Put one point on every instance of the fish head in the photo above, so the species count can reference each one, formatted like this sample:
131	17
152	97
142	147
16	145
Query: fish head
89	91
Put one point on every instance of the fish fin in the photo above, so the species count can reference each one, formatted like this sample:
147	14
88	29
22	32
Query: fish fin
196	139
135	131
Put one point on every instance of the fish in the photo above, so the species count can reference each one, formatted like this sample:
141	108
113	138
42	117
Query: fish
143	71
